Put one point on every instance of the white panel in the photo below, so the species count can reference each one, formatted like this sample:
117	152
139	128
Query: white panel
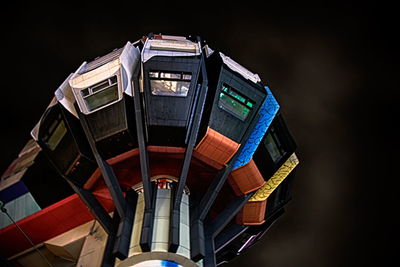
183	251
184	229
159	246
137	227
186	47
161	221
161	230
185	199
66	97
93	248
163	203
236	67
184	236
184	213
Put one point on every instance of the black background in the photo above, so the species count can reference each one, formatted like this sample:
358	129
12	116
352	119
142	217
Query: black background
332	68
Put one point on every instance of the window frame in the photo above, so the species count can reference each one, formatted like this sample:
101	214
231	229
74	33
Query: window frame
93	90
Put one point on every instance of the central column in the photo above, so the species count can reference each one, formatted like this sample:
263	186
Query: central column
159	255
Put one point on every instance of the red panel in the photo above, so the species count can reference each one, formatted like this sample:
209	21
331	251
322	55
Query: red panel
71	212
129	155
45	224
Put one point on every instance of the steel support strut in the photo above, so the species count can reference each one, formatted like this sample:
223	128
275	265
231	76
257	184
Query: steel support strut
201	94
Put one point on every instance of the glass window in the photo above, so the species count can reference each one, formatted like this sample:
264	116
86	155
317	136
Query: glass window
170	83
274	146
101	94
102	98
55	133
235	103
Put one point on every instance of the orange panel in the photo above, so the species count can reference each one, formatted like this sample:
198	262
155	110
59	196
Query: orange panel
217	147
166	149
253	213
246	179
206	160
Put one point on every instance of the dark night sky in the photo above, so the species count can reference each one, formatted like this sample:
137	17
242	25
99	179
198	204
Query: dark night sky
331	68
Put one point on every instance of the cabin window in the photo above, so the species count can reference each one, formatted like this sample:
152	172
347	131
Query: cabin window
55	133
170	83
234	102
274	146
101	94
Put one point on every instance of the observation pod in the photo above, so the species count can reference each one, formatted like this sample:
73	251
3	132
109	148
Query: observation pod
171	66
175	153
61	138
239	95
234	99
103	93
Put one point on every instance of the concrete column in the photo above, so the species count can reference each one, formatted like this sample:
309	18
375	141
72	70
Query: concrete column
159	255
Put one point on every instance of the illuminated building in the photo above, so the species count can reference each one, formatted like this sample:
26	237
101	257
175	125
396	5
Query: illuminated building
164	152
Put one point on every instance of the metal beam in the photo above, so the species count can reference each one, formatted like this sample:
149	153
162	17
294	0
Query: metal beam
270	221
108	255
209	198
219	180
95	208
189	150
197	241
228	235
224	217
201	95
146	235
202	90
105	169
214	227
144	158
124	233
209	259
174	234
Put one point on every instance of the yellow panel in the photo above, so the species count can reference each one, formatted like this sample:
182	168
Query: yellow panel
269	187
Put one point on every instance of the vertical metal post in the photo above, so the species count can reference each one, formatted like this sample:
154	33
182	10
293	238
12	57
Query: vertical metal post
105	169
123	236
144	159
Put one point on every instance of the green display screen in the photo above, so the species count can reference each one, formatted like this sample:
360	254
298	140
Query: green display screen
235	103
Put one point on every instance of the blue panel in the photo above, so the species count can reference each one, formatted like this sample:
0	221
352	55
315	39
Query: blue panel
18	209
267	113
169	264
12	192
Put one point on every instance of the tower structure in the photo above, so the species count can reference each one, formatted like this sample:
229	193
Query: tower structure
164	152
